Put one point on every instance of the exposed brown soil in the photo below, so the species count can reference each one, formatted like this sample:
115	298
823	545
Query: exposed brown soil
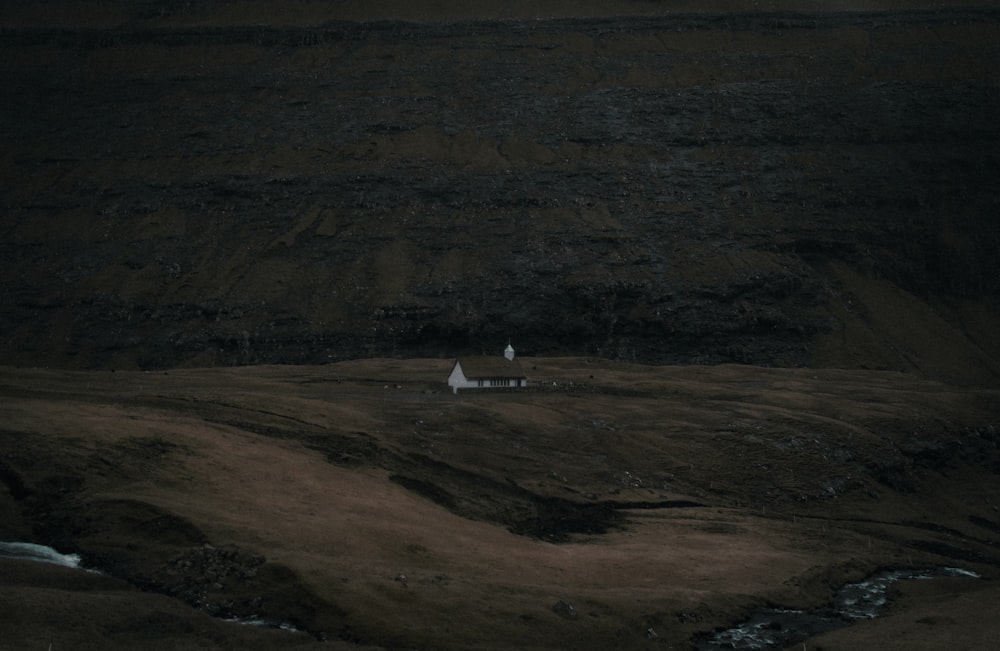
364	504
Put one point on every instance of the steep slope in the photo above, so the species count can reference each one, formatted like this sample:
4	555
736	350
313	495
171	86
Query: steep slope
196	187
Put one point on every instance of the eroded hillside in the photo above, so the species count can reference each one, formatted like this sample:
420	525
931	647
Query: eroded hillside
216	186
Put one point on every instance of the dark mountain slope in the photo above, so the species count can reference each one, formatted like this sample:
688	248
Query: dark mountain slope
777	188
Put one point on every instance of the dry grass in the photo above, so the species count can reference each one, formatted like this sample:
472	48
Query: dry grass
270	459
671	498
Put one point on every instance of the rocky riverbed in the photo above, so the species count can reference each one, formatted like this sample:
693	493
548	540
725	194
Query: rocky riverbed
780	628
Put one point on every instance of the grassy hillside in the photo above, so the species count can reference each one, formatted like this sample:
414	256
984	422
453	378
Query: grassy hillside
237	183
746	251
364	504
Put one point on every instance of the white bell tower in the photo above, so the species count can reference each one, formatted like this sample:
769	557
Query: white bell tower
508	352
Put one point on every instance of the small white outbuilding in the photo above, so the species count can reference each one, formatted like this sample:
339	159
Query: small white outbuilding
487	372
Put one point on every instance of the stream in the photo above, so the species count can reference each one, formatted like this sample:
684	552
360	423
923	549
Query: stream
766	628
40	553
777	628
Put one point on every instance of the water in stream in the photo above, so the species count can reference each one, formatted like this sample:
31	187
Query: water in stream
42	554
767	628
777	628
39	553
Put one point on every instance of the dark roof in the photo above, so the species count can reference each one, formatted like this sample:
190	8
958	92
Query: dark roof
490	367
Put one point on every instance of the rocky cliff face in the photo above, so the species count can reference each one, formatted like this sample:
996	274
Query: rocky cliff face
769	188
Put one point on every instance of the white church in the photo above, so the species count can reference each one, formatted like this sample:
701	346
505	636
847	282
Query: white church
487	372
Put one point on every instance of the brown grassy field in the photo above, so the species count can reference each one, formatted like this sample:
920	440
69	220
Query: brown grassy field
366	505
821	195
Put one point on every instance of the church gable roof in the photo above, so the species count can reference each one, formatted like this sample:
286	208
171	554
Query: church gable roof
490	367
